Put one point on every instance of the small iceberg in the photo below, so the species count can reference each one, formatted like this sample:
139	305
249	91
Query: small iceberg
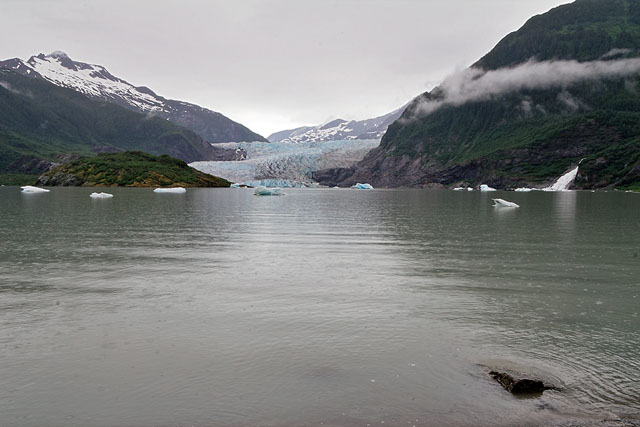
501	203
523	189
463	189
264	191
485	187
32	189
170	190
102	195
563	183
234	185
359	186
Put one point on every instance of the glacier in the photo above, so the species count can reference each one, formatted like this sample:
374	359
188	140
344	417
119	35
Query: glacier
286	165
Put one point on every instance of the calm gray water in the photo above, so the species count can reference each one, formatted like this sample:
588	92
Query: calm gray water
322	307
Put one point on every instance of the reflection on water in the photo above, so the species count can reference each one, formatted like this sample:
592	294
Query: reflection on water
338	307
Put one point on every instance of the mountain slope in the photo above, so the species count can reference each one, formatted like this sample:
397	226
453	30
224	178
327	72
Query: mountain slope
96	82
561	91
41	123
337	130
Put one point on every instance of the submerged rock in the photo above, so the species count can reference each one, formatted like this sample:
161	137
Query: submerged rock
520	386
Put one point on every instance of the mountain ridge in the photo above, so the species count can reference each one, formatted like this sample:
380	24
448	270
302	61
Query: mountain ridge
339	129
42	123
96	82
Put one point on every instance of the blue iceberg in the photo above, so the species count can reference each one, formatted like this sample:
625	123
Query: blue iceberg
264	191
360	186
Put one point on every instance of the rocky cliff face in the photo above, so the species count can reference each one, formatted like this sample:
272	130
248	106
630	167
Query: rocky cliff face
563	90
97	83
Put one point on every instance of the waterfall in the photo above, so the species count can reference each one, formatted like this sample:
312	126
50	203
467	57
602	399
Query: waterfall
563	183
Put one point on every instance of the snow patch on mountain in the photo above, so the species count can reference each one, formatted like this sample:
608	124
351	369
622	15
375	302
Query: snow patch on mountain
92	80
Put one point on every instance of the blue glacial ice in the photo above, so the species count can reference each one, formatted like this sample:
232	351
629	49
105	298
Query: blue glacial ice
285	165
264	191
360	186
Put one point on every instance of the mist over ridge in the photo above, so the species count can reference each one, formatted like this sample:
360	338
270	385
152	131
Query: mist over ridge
475	84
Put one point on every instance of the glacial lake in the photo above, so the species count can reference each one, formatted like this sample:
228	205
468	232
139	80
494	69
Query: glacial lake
331	307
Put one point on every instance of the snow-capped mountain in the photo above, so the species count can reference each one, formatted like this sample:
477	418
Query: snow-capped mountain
339	130
96	82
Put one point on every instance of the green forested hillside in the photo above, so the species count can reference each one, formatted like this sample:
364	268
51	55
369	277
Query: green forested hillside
527	135
584	30
40	122
129	169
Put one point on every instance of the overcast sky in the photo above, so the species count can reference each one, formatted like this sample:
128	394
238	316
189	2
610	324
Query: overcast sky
271	64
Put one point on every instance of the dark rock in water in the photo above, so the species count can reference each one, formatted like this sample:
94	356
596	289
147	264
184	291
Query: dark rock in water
520	385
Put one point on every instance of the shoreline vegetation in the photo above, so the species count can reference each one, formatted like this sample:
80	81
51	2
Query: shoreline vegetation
128	169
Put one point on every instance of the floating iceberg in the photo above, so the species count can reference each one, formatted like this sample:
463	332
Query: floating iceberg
31	189
523	189
234	185
485	187
101	195
264	191
170	190
463	189
563	183
501	203
359	186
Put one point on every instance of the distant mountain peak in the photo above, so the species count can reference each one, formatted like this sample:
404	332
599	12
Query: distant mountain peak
339	129
58	54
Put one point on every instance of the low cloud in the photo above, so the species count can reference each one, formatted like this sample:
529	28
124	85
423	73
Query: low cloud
474	84
11	89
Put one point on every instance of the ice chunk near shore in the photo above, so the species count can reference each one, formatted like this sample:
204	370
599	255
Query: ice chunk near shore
264	191
485	187
359	186
463	189
101	195
170	190
32	189
234	185
523	189
501	203
563	183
